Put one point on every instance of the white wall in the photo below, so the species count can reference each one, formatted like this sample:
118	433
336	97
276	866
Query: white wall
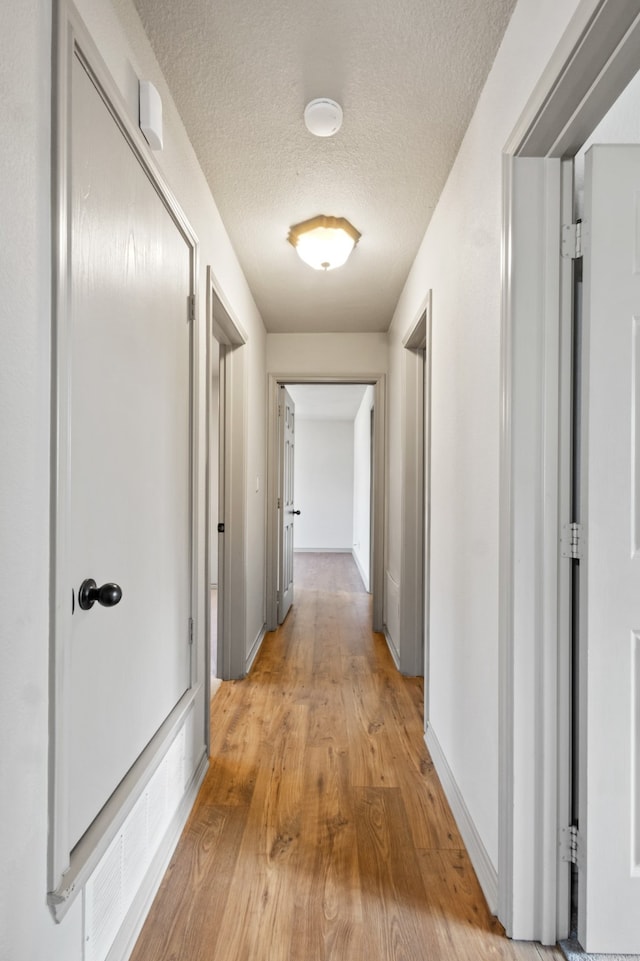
27	930
214	462
362	487
328	355
323	489
460	259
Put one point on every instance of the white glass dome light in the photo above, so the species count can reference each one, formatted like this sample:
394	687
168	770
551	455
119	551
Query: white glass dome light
323	117
324	243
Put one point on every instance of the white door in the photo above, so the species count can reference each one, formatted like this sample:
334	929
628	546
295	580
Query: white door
216	501
609	726
286	434
128	456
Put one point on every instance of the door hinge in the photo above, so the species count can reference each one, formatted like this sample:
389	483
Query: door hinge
278	503
572	541
190	630
192	307
570	844
572	240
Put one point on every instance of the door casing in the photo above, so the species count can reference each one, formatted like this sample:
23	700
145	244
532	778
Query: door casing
594	61
224	325
414	572
378	501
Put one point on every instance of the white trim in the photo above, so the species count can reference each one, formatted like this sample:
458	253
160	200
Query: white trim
361	571
323	550
596	58
528	763
482	863
506	840
393	650
255	648
225	325
417	333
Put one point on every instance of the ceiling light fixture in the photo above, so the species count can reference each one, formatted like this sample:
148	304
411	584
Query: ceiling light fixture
323	117
324	242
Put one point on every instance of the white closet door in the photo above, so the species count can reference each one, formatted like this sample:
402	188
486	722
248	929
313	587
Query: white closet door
129	455
609	824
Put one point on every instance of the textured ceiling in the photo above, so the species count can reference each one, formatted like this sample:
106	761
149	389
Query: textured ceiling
407	73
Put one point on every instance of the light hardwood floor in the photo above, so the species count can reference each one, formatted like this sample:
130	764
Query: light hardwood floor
321	831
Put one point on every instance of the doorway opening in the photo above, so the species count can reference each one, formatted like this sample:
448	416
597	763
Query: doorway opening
332	465
224	478
416	480
365	532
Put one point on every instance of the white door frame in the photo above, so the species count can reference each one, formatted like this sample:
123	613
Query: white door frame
223	324
378	500
68	869
414	568
594	61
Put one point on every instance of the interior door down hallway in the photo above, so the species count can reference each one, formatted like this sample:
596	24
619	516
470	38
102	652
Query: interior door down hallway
286	507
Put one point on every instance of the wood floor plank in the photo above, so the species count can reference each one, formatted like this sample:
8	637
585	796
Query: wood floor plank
431	822
460	916
321	832
327	572
192	900
328	870
237	725
396	909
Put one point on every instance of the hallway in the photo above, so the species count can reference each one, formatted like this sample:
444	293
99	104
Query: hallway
321	830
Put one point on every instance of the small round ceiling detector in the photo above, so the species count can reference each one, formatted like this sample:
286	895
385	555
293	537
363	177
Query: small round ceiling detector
323	117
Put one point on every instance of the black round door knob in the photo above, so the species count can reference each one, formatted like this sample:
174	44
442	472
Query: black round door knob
108	595
296	512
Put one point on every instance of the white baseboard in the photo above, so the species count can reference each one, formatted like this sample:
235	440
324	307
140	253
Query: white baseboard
483	866
125	940
322	550
361	572
393	650
255	647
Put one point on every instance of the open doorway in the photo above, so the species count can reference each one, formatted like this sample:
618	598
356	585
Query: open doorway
368	535
216	502
224	475
413	613
333	473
